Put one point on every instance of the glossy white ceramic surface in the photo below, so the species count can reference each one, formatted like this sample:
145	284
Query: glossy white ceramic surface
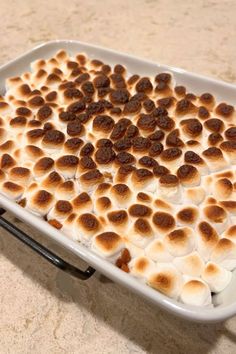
225	302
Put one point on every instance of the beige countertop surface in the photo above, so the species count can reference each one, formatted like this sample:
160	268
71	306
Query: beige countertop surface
42	310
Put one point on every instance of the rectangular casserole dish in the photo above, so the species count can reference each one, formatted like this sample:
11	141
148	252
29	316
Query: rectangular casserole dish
225	302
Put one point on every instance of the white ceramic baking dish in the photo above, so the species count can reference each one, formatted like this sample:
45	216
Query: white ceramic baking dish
225	302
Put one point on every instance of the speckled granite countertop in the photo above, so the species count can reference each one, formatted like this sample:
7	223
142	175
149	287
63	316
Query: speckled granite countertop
43	310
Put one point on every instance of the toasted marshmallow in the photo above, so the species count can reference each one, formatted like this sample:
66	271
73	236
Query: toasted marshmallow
229	205
3	135
196	292
119	220
217	216
166	279
40	202
134	250
191	264
51	181
188	176
12	190
102	189
142	179
140	233
53	139
5	108
43	166
90	180
180	242
222	188
215	159
141	267
103	205
194	159
86	226
229	148
206	240
216	277
171	158
82	203
161	204
2	176
195	195
32	153
68	227
230	233
158	252
66	190
168	188
163	222
123	174
61	210
7	162
188	215
107	244
20	175
121	195
7	146
224	254
67	165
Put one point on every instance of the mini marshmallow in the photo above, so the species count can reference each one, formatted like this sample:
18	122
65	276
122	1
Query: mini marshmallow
166	279
158	252
196	292
224	254
141	267
107	244
216	277
191	264
207	239
140	233
180	241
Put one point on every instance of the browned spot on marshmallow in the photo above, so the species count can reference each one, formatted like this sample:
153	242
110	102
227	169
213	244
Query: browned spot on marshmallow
164	221
187	215
119	96
141	144
104	155
230	134
212	153
173	139
36	101
160	171
89	222
144	85
184	107
53	138
215	213
146	122
214	124
192	127
171	154
191	157
7	162
186	172
120	128
164	122
140	211
118	217
23	111
225	110
169	180
103	123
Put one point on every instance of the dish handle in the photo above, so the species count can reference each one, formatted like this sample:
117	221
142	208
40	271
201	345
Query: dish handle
44	252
